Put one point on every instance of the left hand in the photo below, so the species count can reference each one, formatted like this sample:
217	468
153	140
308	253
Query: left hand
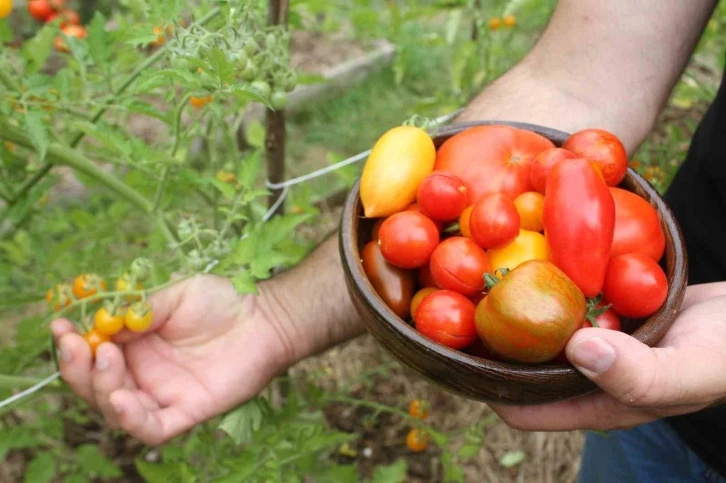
685	373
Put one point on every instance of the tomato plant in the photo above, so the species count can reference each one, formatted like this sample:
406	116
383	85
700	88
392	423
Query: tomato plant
442	197
637	226
459	264
494	221
635	285
394	285
448	318
407	239
602	148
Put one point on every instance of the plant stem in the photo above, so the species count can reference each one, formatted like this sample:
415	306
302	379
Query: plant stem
8	81
15	382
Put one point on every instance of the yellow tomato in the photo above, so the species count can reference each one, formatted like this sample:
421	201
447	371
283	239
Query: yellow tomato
107	323
399	161
6	6
529	245
464	222
416	300
530	205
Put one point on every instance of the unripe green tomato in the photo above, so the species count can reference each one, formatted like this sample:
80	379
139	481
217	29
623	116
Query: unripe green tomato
251	47
290	82
180	63
242	58
141	269
279	100
262	87
250	72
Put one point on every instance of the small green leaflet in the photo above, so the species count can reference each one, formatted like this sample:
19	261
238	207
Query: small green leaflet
394	473
16	438
159	472
41	469
99	45
37	131
94	462
241	423
512	458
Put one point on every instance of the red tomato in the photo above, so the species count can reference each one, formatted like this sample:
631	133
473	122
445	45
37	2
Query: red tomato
494	221
393	285
407	239
420	295
607	320
40	9
635	285
492	159
415	207
424	277
637	226
459	264
448	318
602	148
441	196
579	220
542	165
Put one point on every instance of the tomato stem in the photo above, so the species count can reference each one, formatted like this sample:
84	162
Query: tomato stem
491	280
453	228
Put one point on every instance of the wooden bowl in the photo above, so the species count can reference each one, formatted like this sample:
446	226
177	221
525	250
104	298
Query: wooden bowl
487	380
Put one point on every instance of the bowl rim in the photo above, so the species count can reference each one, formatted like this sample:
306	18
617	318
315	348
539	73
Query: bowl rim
648	335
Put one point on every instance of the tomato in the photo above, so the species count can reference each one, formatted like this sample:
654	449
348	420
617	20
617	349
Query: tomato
607	320
69	17
57	5
448	318
279	100
6	7
40	9
51	17
159	32
494	221
398	162
492	159
393	285
415	207
579	221
419	409
262	88
510	21
602	148
530	315
76	31
635	285
138	317
529	205
87	285
477	297
62	295
417	440
416	300
495	23
424	277
123	284
464	221
637	226
107	323
94	339
459	264
529	245
542	165
376	230
407	239
441	196
199	102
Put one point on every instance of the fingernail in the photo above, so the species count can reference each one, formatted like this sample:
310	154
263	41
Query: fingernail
101	359
65	354
595	355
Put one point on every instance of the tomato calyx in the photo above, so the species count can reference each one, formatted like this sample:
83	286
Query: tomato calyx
491	279
593	311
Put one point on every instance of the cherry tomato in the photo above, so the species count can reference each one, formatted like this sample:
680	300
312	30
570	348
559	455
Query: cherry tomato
417	440
393	285
579	220
407	239
530	315
637	226
448	318
459	264
607	320
494	221
529	245
40	9
417	208
602	148
57	5
399	161
69	17
199	102
542	165
495	23
279	100
510	21
6	7
94	339
635	284
492	159
530	205
62	295
138	317
123	284
442	196
419	409
76	31
107	323
424	277
464	220
87	285
416	300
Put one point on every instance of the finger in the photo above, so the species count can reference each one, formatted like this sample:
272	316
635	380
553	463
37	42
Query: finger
151	425
75	364
696	294
61	327
109	374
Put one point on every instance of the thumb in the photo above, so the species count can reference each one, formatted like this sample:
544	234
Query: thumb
641	376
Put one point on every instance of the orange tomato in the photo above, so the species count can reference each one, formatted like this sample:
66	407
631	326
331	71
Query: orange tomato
510	21
529	205
94	339
417	440
199	102
464	222
70	30
87	285
495	23
107	323
416	300
419	409
529	245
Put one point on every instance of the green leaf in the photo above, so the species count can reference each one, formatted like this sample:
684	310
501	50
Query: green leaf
221	65
227	190
99	46
250	170
468	451
512	458
305	79
95	462
37	132
461	60
453	26
339	474
16	438
6	32
255	134
241	423
158	472
41	469
264	262
76	478
453	473
37	49
394	473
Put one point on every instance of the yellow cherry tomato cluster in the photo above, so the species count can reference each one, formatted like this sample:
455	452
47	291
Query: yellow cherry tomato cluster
417	439
508	21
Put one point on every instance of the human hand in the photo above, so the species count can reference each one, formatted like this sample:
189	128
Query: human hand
208	350
685	373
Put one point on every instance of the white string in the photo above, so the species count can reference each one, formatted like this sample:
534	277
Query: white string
30	390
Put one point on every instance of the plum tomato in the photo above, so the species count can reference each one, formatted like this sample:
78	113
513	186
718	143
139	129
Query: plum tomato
464	221
637	226
542	164
530	205
395	286
635	285
529	245
494	221
407	239
459	264
602	148
441	196
448	318
416	300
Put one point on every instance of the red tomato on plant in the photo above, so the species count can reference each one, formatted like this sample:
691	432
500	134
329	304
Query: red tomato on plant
494	221
407	239
637	226
635	285
579	221
492	159
602	148
441	196
448	318
40	9
530	315
542	165
459	264
393	285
